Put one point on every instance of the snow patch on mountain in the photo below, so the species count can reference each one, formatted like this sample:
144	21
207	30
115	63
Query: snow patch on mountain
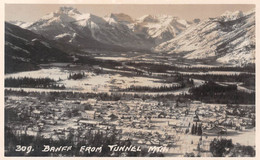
61	36
16	47
21	24
231	16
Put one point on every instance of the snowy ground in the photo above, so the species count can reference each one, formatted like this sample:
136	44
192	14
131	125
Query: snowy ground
110	82
53	73
114	58
92	82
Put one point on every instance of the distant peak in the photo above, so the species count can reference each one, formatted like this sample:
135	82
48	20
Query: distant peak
120	17
250	11
166	16
196	20
148	18
68	10
229	16
119	14
226	13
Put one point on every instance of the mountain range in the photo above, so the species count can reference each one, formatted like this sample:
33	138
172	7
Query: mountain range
228	38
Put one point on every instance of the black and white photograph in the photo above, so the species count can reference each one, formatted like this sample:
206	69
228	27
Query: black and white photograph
129	80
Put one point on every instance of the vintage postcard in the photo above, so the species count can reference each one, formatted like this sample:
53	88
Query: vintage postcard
124	79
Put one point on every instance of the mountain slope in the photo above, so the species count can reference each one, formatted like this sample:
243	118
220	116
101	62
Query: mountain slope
229	38
24	50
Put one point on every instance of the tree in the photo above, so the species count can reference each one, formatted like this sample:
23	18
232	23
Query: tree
196	128
199	130
220	148
189	154
242	151
193	129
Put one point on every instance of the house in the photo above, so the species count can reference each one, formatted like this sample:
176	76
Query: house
88	122
87	114
215	130
172	124
51	122
181	104
36	113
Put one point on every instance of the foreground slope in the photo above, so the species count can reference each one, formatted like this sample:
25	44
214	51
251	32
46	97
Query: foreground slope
24	50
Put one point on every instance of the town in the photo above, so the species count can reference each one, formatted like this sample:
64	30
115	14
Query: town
184	127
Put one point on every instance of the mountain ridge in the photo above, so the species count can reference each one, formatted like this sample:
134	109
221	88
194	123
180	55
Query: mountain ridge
24	50
229	38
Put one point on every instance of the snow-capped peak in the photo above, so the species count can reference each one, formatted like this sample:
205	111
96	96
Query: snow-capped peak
86	19
148	19
231	16
163	20
121	17
115	18
160	28
68	10
65	14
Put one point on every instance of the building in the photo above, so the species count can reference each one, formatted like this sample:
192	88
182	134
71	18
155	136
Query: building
215	130
87	114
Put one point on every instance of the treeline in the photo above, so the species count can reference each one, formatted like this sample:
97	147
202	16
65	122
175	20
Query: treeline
210	88
248	79
27	82
152	89
174	87
76	76
248	68
51	96
177	78
183	82
110	137
237	97
162	68
101	63
151	67
211	92
225	148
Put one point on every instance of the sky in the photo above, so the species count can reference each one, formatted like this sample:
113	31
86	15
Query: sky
33	12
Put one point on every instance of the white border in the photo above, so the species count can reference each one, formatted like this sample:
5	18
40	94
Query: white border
2	8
